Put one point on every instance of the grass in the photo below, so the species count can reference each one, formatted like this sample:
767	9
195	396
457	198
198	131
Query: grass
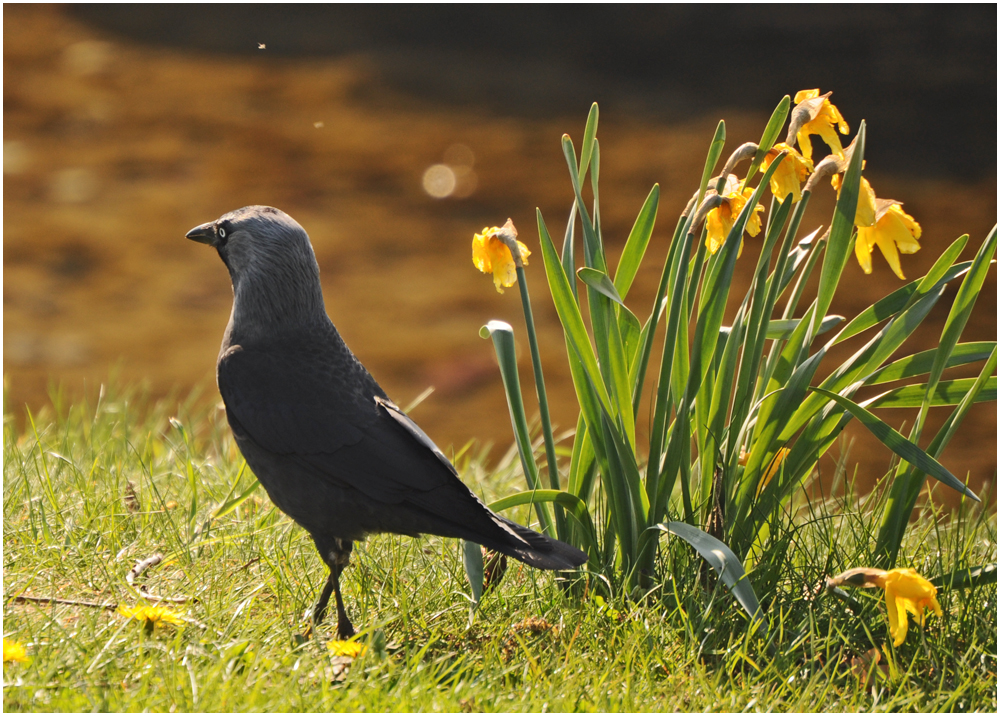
74	527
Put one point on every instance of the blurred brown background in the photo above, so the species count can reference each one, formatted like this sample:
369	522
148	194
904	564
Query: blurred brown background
125	126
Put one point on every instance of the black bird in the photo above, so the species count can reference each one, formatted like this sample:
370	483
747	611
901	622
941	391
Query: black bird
332	451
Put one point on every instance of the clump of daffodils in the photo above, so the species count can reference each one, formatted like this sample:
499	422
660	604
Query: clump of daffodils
906	592
880	222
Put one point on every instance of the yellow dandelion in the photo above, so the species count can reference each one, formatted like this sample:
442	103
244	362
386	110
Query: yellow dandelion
353	649
719	221
151	616
14	651
894	232
491	255
816	114
789	175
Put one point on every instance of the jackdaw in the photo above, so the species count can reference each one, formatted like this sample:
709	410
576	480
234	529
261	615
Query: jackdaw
332	451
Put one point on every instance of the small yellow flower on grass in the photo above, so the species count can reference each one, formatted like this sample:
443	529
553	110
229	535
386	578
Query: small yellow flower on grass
719	221
815	114
353	649
151	616
14	651
895	232
905	591
789	175
491	254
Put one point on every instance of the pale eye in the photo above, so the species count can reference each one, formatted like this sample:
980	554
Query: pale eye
222	233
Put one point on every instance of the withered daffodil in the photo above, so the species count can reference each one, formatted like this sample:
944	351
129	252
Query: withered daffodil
720	220
788	177
905	592
894	232
816	114
491	254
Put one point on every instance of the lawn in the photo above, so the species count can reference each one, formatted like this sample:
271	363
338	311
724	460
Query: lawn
93	488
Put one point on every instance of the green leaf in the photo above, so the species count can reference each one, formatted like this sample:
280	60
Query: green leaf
771	131
600	282
569	314
711	161
503	342
898	444
946	392
920	363
726	564
472	558
839	244
967	578
893	304
781	329
638	240
232	504
589	134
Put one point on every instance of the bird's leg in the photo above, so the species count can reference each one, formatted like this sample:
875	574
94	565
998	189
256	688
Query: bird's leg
319	611
336	557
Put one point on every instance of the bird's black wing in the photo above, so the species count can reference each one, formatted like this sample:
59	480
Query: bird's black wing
335	422
325	411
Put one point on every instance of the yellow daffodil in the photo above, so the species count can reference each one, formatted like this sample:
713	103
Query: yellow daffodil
864	215
905	591
719	221
815	114
789	175
14	651
151	616
491	255
894	232
352	649
772	469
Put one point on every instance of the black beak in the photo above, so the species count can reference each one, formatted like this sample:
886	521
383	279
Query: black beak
204	234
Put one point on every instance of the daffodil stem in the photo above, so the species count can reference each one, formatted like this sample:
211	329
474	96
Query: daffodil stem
543	401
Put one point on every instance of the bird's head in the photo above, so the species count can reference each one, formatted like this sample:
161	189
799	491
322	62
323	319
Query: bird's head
271	262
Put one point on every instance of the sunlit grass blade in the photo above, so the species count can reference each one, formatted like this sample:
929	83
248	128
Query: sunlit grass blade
781	329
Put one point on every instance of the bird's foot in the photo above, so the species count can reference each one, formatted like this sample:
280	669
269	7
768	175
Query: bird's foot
345	630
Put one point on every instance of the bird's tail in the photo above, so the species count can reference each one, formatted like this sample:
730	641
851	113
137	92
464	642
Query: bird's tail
537	550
